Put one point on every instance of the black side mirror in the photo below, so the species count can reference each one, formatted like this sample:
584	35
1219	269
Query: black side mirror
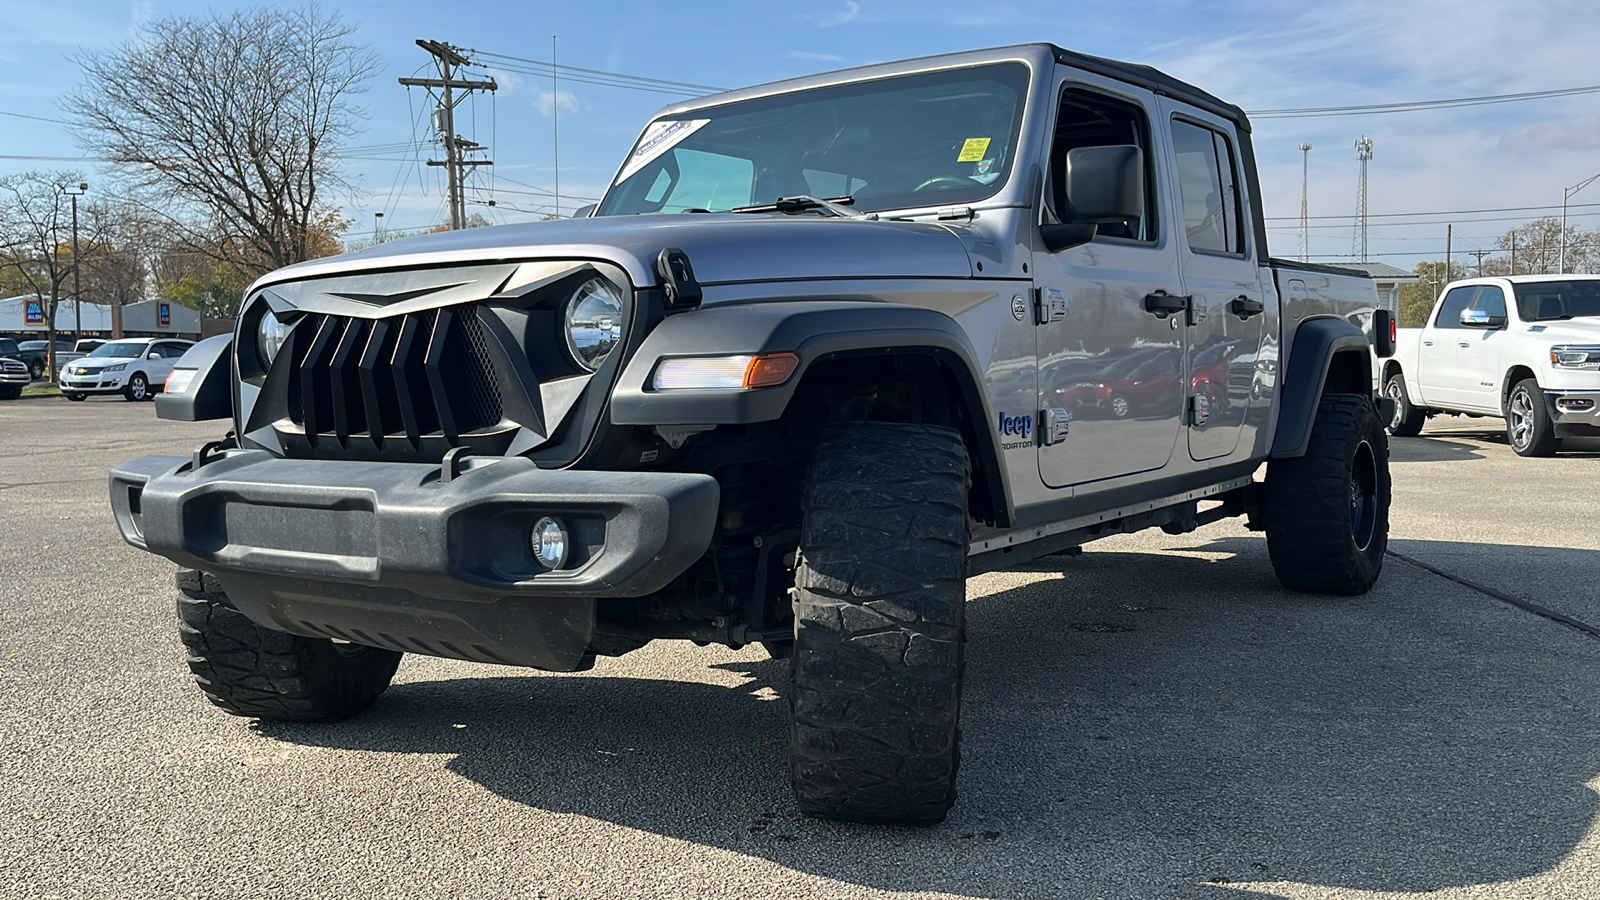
1383	333
1059	236
585	212
1104	184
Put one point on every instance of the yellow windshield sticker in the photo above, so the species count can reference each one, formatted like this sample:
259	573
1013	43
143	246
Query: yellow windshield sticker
973	150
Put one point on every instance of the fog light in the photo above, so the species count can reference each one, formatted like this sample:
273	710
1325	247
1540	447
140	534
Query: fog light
549	542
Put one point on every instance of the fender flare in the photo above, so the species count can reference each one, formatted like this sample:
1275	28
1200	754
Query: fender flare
816	330
1316	343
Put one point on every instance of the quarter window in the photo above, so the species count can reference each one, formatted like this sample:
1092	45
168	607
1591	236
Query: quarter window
1211	211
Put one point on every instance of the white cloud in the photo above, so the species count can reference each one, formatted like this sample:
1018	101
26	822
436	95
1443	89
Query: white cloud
547	102
1555	135
816	57
851	12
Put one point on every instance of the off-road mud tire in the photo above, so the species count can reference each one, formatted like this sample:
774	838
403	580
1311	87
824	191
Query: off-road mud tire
1408	420
260	673
880	623
1327	512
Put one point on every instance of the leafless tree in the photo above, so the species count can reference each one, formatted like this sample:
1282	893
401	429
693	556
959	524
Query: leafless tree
36	239
235	121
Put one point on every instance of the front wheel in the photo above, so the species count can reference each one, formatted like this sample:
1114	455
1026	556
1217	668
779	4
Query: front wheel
71	396
248	670
880	623
1408	420
1528	426
36	369
1327	512
137	388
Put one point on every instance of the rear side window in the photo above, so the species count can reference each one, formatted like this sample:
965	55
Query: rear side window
8	346
1206	174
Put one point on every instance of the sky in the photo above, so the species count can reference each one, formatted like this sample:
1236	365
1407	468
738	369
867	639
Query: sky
1429	168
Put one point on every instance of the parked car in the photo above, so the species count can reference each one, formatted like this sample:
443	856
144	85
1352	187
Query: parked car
37	355
10	350
1524	347
86	346
136	369
13	377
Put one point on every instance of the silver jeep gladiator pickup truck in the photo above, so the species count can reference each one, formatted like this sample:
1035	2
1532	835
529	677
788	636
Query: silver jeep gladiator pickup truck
824	349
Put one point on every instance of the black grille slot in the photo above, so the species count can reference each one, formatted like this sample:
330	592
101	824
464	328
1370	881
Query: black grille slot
413	379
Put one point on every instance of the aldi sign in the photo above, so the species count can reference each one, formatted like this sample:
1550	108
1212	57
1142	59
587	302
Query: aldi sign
164	314
33	312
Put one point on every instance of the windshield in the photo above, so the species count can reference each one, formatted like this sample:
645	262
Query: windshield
1542	301
930	139
121	349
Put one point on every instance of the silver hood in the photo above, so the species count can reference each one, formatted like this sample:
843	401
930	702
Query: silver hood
722	247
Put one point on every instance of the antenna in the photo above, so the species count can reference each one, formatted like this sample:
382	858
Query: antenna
1305	227
1358	246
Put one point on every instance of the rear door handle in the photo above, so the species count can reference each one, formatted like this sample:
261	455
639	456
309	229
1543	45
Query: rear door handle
1427	343
1245	307
1162	304
1464	344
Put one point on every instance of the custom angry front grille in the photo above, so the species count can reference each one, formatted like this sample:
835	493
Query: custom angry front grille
395	383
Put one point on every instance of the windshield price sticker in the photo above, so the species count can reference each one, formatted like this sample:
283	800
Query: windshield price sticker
660	137
973	150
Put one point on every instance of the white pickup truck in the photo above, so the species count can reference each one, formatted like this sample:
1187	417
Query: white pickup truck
1523	347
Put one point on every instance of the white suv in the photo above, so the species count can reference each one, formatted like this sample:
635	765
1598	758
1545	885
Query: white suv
135	368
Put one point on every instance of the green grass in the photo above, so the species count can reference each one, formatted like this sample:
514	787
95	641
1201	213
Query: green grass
41	390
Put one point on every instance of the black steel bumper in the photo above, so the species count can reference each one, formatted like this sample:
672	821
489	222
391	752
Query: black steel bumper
394	555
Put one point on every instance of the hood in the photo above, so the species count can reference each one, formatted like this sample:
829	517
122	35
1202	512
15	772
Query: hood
722	247
1584	330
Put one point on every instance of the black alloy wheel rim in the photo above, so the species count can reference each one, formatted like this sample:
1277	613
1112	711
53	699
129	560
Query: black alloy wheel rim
1363	496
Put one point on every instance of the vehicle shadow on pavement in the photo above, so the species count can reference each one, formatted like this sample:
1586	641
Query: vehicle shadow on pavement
1431	449
1136	725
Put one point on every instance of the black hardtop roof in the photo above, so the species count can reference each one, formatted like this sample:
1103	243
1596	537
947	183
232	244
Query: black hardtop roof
1152	79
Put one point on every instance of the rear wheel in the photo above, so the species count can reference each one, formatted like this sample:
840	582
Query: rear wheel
1408	420
137	388
1327	512
1528	426
36	369
252	671
880	600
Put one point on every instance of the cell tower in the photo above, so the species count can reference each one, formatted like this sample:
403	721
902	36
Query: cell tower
1305	226
1358	246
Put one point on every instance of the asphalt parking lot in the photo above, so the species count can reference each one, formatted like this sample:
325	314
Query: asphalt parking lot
1153	719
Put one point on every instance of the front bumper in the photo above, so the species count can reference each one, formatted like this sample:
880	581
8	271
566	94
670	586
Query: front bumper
396	555
20	379
1574	412
92	384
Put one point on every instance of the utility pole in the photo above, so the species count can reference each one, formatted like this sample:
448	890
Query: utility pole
1448	232
449	58
555	122
1364	154
1480	254
1305	226
77	294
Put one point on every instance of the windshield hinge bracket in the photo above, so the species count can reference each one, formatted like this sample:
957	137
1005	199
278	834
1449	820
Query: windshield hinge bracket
677	279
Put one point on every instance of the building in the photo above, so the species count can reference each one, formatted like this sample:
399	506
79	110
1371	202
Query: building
1388	279
23	318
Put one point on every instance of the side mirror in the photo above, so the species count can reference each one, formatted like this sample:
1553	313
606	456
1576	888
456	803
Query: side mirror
1104	184
585	212
1383	333
1480	318
1059	236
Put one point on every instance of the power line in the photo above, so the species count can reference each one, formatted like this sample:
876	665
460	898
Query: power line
1438	212
615	79
35	118
1415	105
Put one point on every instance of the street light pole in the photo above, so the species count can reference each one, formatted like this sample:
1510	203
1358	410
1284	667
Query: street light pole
1566	194
77	295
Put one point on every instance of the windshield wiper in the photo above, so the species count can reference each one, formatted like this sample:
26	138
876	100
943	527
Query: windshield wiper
833	206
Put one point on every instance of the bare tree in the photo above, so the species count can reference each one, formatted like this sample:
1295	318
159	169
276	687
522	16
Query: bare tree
36	239
236	121
1534	248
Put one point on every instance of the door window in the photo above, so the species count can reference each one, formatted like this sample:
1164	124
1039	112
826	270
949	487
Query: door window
1454	302
1087	119
1491	300
1211	211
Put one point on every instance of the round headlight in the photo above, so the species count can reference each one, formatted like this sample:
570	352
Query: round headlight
549	542
593	322
270	335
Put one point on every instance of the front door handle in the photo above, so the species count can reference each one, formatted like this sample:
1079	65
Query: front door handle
1245	307
1427	343
1464	344
1162	304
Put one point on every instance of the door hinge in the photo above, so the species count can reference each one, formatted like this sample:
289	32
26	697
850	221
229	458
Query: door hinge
1049	305
1054	423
